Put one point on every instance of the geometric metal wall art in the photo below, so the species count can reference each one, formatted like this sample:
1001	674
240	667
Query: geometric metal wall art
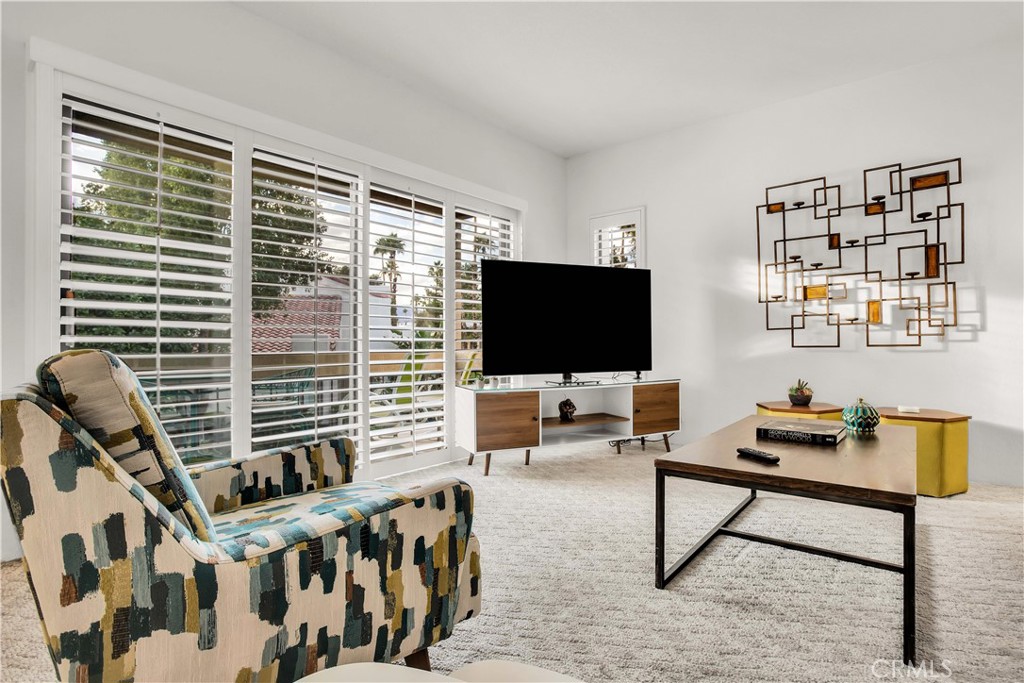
879	265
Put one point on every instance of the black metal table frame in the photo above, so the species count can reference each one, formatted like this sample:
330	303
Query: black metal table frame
907	569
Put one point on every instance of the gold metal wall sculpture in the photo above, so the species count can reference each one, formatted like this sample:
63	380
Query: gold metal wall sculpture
881	265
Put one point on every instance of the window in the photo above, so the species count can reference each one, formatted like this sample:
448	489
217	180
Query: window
618	239
268	294
615	247
477	236
146	263
305	301
406	307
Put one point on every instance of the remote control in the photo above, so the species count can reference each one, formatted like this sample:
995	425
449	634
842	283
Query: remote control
760	456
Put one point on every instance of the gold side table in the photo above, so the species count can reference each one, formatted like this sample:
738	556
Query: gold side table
814	411
941	448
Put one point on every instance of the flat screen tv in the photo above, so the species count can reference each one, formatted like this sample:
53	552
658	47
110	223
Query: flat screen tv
548	318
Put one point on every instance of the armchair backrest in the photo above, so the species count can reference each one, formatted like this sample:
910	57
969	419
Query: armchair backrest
105	397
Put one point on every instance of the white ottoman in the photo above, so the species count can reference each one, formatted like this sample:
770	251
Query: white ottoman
498	671
487	671
372	671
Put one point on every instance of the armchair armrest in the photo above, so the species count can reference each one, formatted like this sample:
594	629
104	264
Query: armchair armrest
228	484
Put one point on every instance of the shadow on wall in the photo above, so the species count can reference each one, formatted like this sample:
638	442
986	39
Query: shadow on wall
995	454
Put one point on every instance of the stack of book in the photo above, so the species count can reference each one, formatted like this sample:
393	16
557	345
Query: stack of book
818	432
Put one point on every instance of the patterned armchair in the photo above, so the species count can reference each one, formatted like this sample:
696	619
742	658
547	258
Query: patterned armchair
268	568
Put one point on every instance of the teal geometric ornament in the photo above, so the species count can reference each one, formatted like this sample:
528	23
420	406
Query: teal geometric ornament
861	418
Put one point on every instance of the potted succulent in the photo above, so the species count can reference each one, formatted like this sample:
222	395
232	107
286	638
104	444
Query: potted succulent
800	394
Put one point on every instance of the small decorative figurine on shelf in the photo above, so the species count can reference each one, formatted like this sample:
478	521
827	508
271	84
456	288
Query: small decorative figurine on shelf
800	394
566	408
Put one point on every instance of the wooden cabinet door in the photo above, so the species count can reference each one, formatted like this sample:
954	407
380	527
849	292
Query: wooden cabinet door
655	408
507	420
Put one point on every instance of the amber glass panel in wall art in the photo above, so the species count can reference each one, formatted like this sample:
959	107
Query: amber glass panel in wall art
815	292
874	311
876	260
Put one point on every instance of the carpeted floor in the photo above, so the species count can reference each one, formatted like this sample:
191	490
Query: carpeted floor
568	557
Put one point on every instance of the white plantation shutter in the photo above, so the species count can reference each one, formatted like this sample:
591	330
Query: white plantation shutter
306	346
617	246
146	263
333	312
406	311
478	236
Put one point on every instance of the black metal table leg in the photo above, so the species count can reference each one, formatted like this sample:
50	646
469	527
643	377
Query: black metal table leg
703	543
909	584
659	529
908	568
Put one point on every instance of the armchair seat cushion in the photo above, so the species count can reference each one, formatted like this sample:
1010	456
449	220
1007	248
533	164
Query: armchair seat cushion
281	522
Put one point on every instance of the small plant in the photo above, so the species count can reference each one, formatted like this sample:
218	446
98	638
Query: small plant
800	389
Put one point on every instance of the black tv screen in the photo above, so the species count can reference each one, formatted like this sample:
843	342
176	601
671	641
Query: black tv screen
546	318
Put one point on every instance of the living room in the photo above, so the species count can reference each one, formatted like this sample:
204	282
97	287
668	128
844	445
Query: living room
420	140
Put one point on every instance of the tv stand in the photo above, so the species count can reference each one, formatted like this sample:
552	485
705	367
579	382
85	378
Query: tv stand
488	420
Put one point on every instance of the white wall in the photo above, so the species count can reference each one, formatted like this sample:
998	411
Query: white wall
701	184
226	52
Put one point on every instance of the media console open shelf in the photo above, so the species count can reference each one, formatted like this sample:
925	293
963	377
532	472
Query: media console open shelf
488	420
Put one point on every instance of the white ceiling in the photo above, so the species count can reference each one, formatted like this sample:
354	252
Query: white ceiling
574	77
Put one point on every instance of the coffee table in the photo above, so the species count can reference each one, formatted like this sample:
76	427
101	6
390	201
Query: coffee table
878	472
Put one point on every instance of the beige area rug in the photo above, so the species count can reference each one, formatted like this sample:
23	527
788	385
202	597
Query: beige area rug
568	561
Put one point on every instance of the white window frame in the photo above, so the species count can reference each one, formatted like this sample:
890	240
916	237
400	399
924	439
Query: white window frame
616	219
57	70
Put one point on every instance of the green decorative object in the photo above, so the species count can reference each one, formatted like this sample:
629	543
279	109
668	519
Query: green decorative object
800	394
861	418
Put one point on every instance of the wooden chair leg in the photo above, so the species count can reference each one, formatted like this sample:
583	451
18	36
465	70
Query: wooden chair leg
487	464
471	455
667	447
419	660
527	456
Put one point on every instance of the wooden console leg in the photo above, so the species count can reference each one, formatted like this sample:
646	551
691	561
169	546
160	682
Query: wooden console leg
667	447
618	448
419	660
527	456
643	443
471	456
487	464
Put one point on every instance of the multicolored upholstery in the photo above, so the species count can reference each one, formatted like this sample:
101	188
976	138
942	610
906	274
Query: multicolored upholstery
126	591
228	484
104	396
278	523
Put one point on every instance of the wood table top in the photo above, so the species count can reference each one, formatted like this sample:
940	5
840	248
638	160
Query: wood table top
787	407
880	467
926	415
